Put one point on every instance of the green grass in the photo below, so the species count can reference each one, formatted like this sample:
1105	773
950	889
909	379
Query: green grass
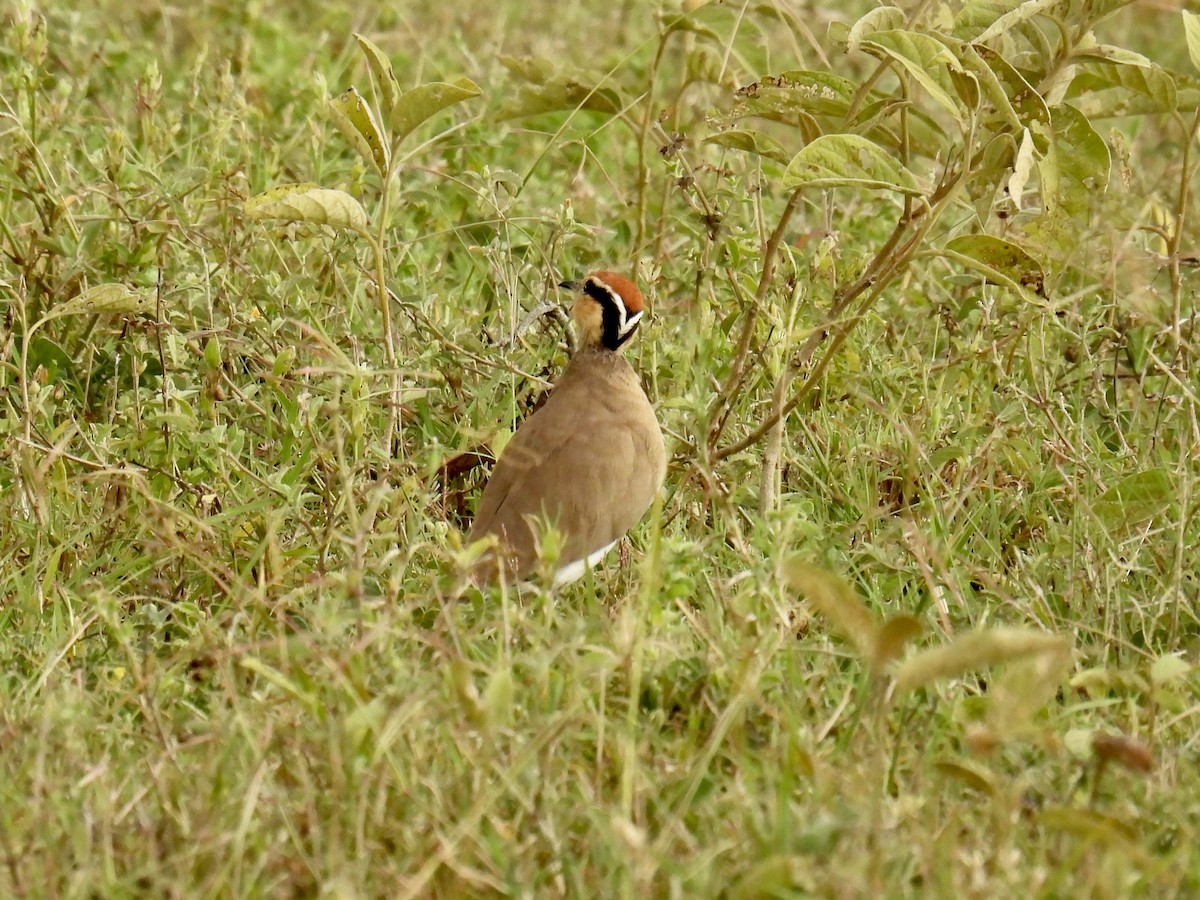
241	657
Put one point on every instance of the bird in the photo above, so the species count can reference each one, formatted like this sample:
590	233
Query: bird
590	461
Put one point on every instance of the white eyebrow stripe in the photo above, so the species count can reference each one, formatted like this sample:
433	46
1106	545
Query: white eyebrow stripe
629	324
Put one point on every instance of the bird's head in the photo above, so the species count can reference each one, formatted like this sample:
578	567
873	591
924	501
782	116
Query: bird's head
607	309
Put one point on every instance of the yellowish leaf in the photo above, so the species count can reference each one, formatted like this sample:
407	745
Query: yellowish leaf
977	650
105	299
309	203
355	119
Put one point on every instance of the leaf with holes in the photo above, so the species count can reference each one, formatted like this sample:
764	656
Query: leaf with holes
848	160
426	101
355	119
1119	82
1000	261
790	96
386	86
534	69
1076	169
311	204
1017	93
105	299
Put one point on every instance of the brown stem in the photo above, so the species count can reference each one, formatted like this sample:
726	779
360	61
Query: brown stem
1176	236
643	142
741	354
883	268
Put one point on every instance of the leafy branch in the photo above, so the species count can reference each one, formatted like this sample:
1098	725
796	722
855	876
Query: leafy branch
376	131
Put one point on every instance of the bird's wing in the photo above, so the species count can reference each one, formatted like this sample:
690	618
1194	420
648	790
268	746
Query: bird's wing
579	475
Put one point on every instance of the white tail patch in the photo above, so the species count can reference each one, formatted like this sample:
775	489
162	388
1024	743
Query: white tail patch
572	571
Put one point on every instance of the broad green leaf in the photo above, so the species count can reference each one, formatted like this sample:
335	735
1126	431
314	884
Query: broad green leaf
385	76
848	160
975	650
427	100
992	90
1112	68
981	20
926	59
1117	87
882	18
564	94
750	142
309	203
1076	169
838	602
1136	499
497	701
355	119
1000	261
1027	104
105	299
790	97
1191	30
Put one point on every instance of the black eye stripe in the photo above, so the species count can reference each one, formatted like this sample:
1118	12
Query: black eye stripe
617	326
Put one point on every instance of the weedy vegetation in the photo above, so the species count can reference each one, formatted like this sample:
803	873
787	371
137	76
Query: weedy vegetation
917	613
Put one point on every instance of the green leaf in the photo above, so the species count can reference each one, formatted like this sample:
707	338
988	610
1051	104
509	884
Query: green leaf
795	98
1191	30
989	85
1076	169
1106	68
926	59
566	96
1136	499
882	18
386	85
750	142
981	20
105	299
848	160
427	100
355	119
309	203
1001	261
1015	93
